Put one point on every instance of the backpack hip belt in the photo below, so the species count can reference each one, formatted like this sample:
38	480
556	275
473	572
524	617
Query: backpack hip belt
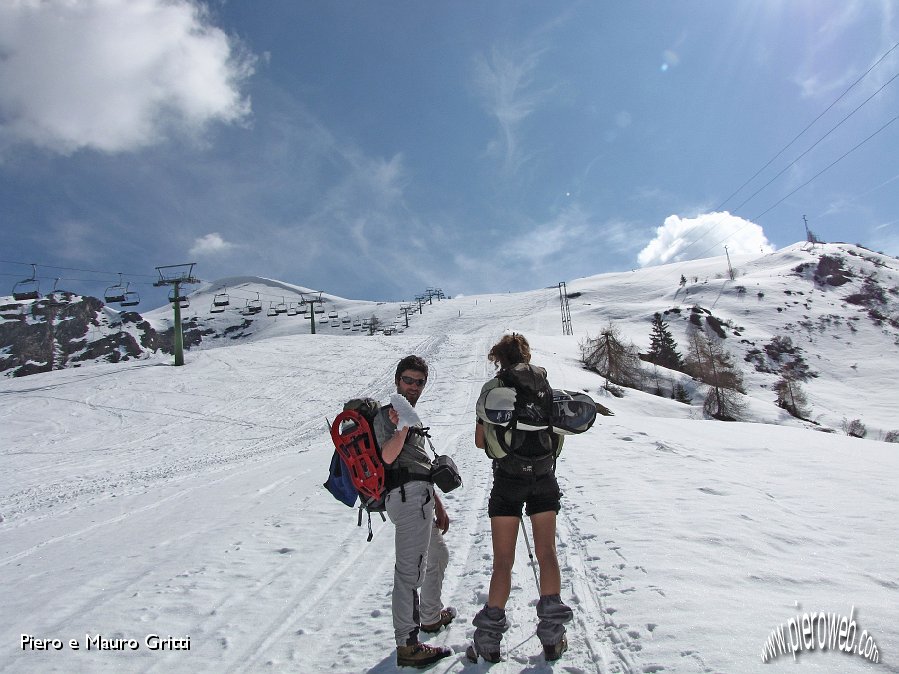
398	477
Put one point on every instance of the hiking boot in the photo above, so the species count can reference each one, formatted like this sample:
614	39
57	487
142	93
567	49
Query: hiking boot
447	616
554	651
420	655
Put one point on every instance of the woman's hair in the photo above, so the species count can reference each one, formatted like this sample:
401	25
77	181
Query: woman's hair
416	363
510	350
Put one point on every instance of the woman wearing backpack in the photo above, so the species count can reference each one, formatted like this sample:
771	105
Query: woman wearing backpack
523	478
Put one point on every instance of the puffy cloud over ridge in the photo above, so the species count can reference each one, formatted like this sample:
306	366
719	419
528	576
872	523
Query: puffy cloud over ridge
114	75
210	244
704	236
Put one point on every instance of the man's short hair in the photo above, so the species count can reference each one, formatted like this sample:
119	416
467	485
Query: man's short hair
411	363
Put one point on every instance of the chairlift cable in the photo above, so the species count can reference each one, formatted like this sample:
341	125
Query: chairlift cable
89	271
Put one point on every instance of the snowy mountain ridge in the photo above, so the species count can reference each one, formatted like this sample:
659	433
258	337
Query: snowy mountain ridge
809	296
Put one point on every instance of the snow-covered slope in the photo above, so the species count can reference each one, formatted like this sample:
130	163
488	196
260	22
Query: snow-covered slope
143	499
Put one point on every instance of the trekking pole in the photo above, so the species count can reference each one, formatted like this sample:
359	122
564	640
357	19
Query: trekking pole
531	555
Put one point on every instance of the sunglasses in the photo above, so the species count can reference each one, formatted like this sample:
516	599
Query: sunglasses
412	380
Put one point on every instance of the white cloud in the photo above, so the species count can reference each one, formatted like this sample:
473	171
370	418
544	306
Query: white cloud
704	236
114	75
210	244
885	238
548	240
506	82
623	119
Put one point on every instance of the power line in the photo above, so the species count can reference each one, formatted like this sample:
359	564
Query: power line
780	201
815	144
710	228
835	161
799	135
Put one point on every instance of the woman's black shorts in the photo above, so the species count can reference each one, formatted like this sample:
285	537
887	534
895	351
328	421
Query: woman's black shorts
510	494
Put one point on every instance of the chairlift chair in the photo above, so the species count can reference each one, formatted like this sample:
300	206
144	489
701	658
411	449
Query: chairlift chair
180	299
319	309
255	305
27	289
292	309
281	307
221	300
115	293
335	324
332	314
271	310
131	298
216	309
345	319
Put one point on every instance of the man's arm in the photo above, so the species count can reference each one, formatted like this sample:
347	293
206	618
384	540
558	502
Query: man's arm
392	448
443	521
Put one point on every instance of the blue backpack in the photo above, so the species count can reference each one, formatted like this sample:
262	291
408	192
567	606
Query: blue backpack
340	483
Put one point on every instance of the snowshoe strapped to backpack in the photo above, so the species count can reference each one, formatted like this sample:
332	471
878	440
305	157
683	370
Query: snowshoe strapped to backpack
356	469
573	411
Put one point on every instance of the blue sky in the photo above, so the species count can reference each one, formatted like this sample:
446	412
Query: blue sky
373	149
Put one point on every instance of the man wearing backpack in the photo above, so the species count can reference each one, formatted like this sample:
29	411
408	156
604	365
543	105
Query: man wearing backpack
420	520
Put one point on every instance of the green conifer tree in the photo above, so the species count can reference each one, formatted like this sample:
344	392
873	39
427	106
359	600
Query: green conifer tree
662	347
